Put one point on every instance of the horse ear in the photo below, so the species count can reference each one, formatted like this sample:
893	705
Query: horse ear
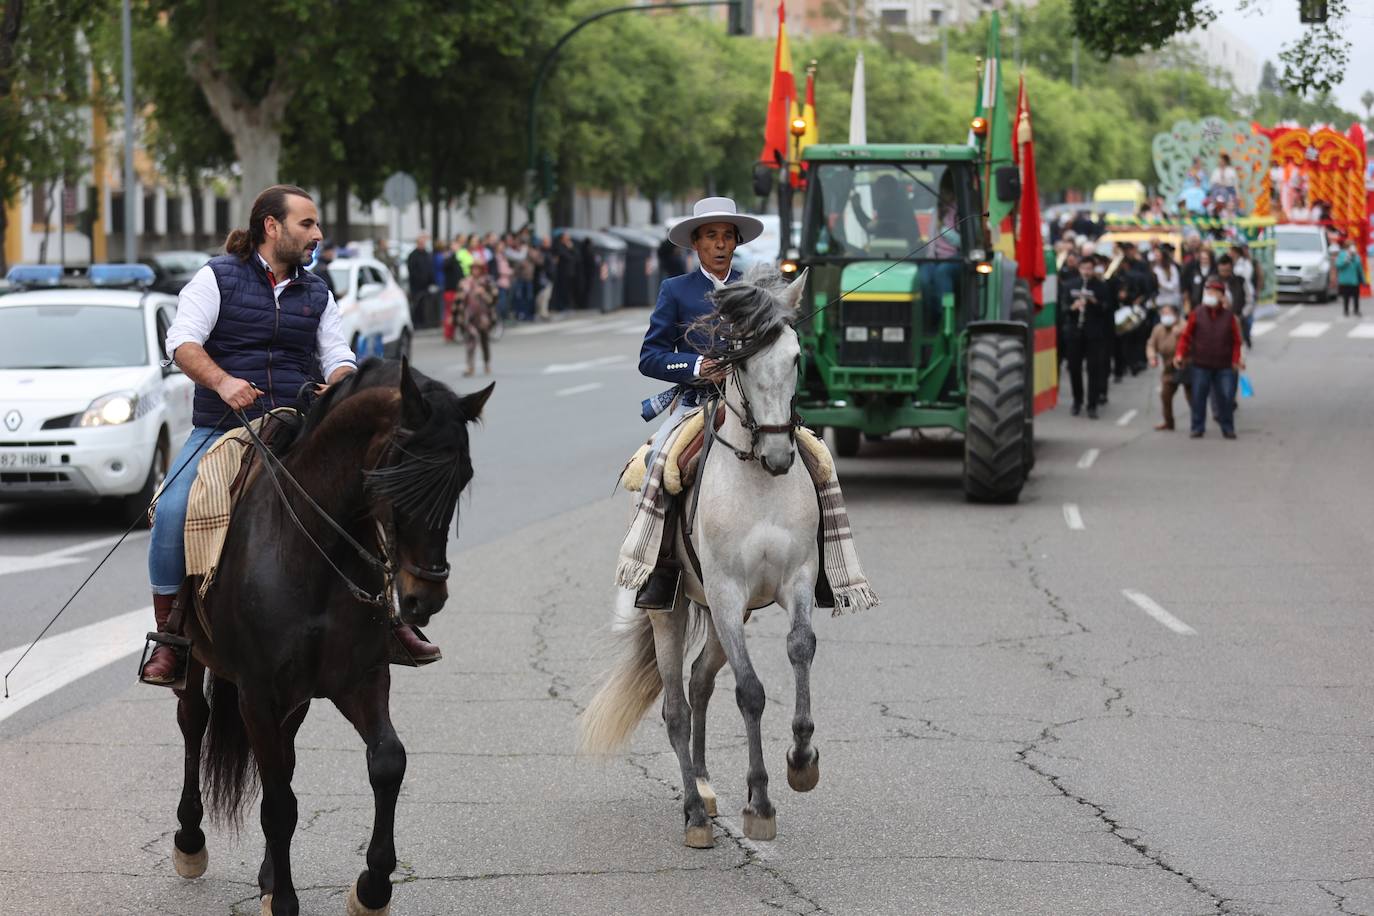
414	410
791	296
472	404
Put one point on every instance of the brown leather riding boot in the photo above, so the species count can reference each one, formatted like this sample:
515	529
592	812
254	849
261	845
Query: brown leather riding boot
421	652
162	665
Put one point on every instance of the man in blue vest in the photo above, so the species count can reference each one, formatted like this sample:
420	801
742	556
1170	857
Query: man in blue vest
249	327
713	231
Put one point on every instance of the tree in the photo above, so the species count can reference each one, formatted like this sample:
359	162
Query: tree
1367	100
44	94
260	63
1315	62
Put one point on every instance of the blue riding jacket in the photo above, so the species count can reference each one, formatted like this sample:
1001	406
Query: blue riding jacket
667	353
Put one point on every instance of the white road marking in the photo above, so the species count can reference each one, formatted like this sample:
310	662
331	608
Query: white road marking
1260	328
556	368
595	327
1088	458
1073	518
534	329
63	556
58	660
577	389
1127	417
1310	329
633	330
1289	313
1364	329
1148	605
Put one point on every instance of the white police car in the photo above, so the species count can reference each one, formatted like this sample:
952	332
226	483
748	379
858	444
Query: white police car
87	410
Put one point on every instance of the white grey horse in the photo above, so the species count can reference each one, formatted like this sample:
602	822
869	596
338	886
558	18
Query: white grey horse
755	534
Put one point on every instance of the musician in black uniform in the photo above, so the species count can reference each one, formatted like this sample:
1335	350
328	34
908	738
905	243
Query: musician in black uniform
1087	332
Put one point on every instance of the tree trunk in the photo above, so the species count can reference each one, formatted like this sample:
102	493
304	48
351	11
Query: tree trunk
259	153
341	195
197	193
510	212
254	126
653	209
4	228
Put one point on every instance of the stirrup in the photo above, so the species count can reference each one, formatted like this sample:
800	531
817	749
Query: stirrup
672	576
181	650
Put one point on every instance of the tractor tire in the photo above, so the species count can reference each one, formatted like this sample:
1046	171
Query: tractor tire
846	441
995	449
1022	305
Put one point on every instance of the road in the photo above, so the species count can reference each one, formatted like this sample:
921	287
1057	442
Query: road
1143	689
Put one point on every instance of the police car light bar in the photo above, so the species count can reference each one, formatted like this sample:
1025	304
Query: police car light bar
120	275
35	275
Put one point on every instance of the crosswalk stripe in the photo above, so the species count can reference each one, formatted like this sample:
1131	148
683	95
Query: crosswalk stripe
1365	329
58	660
1260	328
1310	329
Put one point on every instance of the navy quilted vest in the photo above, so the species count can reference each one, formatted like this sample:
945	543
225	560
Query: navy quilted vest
271	344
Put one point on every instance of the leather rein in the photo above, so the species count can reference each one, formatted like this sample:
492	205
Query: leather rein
386	533
755	429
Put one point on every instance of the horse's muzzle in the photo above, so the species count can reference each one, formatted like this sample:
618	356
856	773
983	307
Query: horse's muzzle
778	470
419	605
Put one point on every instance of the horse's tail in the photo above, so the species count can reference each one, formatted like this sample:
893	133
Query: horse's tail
230	779
631	686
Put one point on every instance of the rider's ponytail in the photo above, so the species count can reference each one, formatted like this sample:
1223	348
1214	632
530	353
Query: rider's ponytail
272	202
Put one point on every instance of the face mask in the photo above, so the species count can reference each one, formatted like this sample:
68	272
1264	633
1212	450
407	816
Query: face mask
1211	299
1167	320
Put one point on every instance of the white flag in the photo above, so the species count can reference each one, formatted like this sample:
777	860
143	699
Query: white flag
858	106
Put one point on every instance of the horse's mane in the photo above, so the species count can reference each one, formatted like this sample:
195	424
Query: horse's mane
382	373
747	319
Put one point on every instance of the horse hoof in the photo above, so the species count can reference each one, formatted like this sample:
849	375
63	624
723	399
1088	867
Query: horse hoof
266	905
357	908
190	864
757	827
708	795
804	778
700	837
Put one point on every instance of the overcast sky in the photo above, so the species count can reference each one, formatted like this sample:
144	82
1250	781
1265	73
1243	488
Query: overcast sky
1269	24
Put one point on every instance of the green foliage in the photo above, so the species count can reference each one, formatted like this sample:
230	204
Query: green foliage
44	91
1126	29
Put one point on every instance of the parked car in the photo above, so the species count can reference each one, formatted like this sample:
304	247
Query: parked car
372	303
87	409
1303	262
174	269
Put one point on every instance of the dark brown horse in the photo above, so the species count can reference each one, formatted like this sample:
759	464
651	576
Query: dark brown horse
385	454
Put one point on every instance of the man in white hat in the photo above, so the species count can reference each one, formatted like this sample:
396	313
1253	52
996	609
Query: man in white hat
713	231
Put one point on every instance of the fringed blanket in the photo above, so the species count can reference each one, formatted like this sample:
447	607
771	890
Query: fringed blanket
640	548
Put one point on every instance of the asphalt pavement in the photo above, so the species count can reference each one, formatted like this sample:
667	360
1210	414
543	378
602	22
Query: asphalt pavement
1143	689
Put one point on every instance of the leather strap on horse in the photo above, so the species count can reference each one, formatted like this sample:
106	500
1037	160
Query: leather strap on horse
268	459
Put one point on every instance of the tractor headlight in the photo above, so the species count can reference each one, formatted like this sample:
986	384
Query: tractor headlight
983	267
111	410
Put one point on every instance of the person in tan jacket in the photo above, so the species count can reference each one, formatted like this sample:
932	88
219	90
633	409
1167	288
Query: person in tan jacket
1160	350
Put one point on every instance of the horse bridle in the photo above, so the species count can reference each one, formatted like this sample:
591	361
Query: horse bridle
755	429
386	532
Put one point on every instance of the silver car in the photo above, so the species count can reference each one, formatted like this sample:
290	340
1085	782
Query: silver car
1302	262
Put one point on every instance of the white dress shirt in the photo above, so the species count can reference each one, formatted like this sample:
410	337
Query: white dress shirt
198	310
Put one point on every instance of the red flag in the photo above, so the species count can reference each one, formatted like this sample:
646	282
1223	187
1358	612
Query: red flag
781	96
1030	244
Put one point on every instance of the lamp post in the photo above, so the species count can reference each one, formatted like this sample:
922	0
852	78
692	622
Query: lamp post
130	243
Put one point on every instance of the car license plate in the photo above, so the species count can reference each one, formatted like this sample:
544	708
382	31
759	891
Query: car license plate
23	460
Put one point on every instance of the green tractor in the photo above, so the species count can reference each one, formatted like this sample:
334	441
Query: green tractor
913	321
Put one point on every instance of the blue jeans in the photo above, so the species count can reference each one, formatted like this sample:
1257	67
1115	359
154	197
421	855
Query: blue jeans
167	546
523	293
1220	384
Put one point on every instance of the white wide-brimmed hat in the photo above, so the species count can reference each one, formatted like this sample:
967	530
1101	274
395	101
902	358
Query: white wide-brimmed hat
715	210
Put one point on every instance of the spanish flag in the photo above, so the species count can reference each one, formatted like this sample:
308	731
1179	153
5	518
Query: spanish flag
781	97
808	113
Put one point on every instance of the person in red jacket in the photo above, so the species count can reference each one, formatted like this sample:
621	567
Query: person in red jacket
1211	343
